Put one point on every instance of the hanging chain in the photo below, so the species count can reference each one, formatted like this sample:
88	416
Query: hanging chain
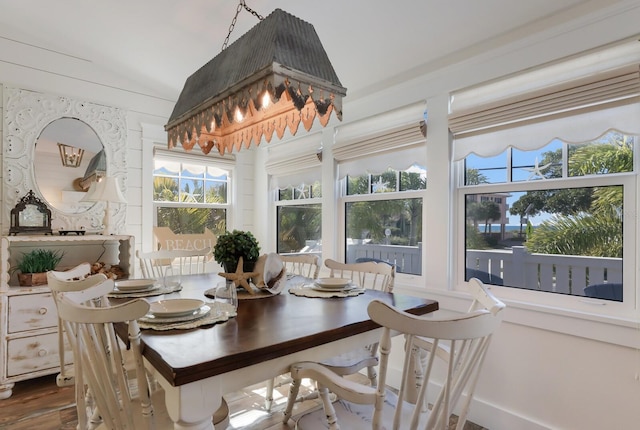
241	5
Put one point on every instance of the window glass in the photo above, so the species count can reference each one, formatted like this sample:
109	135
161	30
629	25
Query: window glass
384	183
189	197
299	228
489	170
541	164
388	229
299	219
552	233
183	220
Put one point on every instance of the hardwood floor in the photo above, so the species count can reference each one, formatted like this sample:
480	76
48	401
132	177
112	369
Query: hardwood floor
40	404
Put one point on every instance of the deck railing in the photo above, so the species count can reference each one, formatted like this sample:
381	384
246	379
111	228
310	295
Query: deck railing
567	274
407	259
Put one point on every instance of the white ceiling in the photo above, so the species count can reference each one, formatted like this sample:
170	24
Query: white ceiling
157	44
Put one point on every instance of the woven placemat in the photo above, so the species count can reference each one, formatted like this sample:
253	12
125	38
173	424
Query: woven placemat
153	292
220	312
307	291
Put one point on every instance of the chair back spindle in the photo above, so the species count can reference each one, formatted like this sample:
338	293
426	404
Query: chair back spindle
371	275
306	265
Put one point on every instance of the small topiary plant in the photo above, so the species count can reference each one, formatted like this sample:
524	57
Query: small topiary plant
230	246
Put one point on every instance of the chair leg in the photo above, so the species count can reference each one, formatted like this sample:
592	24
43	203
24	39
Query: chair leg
330	412
268	398
372	375
293	394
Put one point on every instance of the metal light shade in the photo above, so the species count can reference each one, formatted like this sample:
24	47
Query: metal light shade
70	155
270	79
96	170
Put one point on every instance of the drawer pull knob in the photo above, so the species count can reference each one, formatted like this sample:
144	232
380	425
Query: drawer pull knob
42	353
43	311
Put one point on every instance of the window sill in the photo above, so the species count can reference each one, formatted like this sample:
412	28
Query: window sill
616	330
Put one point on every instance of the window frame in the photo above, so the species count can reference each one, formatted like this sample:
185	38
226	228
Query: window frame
208	161
277	203
341	206
630	182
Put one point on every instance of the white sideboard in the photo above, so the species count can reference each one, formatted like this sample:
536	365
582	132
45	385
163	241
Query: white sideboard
28	318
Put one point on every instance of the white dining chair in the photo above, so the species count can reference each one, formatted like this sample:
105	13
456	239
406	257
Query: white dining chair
306	265
423	347
467	338
99	362
371	275
155	264
105	395
81	271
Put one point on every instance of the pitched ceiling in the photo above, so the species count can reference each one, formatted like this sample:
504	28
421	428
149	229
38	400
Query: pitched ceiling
156	44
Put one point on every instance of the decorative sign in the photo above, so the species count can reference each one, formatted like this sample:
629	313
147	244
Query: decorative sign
169	240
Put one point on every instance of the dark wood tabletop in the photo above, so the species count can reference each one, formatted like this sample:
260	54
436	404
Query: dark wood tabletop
264	329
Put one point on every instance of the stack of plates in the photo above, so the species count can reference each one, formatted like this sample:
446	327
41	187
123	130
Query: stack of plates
332	284
176	310
134	285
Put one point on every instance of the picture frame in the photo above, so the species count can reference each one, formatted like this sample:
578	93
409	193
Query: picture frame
30	215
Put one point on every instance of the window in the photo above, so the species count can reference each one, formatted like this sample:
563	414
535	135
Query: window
299	219
190	196
382	181
548	179
295	171
562	232
383	218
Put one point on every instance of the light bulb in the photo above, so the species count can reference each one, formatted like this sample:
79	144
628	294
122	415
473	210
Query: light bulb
266	100
239	116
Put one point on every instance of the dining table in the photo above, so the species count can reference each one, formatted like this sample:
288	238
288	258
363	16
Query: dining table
197	366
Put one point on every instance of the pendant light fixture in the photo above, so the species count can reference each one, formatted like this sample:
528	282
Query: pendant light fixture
273	78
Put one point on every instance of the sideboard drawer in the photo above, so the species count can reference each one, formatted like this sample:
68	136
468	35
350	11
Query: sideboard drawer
34	353
32	311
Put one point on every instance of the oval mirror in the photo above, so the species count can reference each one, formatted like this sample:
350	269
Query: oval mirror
68	157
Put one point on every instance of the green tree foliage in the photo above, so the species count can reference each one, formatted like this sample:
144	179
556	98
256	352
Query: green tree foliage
165	189
474	177
413	181
485	211
370	219
473	238
185	220
297	224
583	234
597	229
560	201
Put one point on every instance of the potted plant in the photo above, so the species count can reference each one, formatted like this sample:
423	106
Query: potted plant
230	246
35	264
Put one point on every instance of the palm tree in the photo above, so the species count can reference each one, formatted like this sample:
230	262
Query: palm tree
596	231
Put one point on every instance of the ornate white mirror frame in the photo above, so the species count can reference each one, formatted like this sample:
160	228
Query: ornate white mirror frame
26	114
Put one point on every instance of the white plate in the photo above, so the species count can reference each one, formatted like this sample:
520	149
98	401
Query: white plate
175	307
343	289
198	313
135	285
332	283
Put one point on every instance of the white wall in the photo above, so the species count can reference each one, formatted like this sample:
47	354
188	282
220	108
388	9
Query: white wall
546	368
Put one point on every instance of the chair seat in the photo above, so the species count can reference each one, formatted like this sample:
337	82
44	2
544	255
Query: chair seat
352	416
351	362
